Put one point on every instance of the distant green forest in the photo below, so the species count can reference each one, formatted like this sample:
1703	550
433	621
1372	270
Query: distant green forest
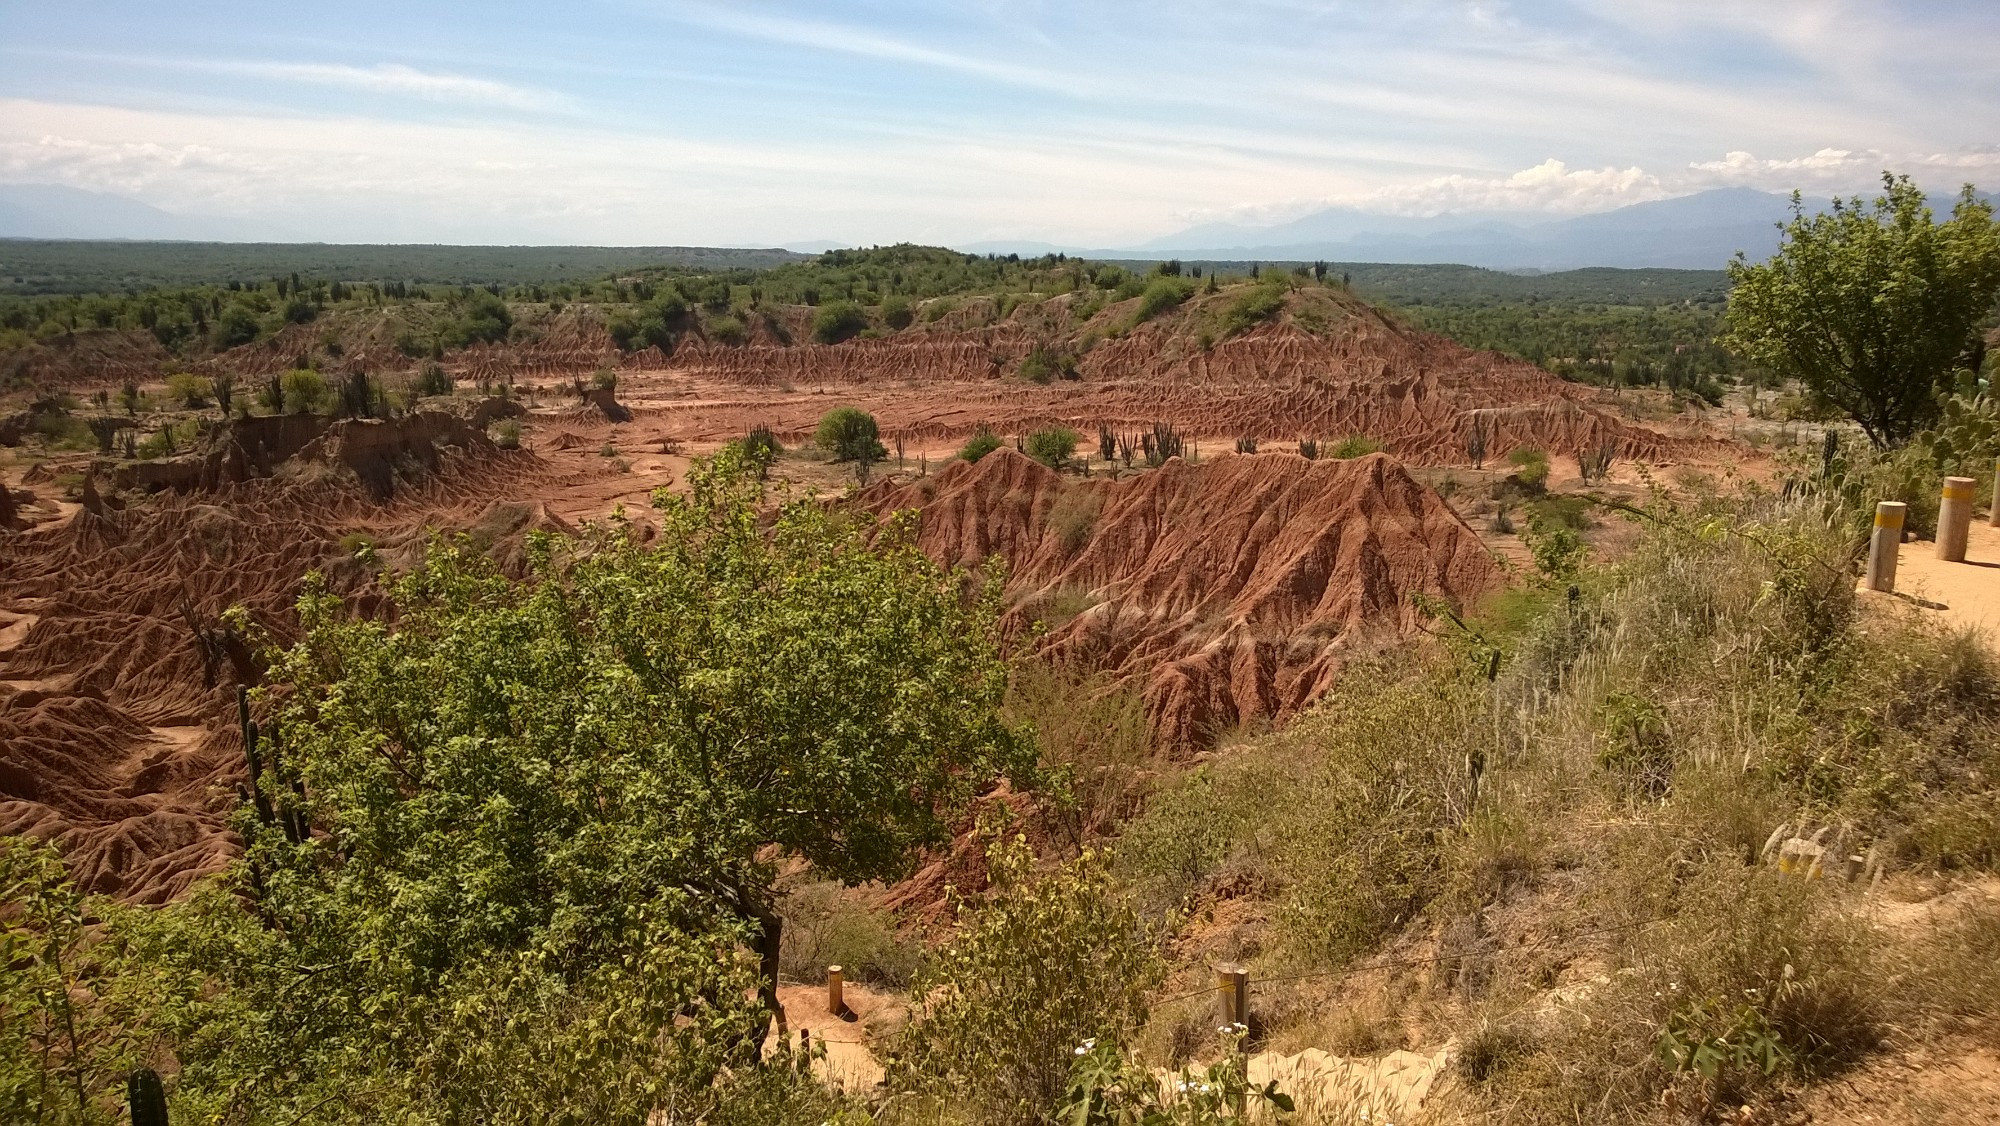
1603	326
52	266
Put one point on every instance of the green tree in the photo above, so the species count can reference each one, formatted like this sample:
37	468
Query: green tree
544	817
64	1042
837	321
850	434
483	318
1872	308
236	325
305	390
1053	446
192	390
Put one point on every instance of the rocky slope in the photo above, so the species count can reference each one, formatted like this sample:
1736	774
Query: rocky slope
1233	590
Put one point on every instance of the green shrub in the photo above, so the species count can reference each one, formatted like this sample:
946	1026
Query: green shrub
849	434
1045	363
481	319
1531	467
1755	981
604	379
762	447
1161	294
826	925
432	381
897	313
1053	445
1072	517
1251	308
1366	851
939	308
235	326
983	441
72	1029
1034	976
306	391
1091	730
1193	828
1354	445
192	390
837	321
728	330
507	434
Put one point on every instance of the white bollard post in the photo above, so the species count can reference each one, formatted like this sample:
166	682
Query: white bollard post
1955	518
1885	545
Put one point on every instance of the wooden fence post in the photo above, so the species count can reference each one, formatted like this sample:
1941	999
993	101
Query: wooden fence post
836	1002
1232	983
1885	545
1954	518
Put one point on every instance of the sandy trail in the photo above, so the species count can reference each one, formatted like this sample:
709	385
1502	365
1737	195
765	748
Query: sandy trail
1969	592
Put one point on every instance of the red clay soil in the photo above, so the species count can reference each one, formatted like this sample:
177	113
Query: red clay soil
1420	396
1233	589
1327	366
116	735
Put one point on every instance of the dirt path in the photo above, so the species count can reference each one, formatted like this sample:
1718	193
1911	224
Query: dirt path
1960	594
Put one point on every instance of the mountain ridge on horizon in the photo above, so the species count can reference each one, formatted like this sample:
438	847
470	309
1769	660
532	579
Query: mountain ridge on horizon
1699	231
1702	231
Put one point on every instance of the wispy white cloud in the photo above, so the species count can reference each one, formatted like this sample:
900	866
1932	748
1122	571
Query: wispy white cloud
397	80
847	39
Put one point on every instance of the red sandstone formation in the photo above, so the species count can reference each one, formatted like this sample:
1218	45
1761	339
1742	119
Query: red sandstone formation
1234	589
116	729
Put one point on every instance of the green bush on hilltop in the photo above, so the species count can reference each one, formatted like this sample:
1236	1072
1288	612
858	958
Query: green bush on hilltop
1160	295
983	441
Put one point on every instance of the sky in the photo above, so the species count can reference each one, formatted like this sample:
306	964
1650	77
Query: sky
1082	122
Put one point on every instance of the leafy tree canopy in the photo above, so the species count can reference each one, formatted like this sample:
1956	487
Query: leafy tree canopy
544	814
850	434
1872	308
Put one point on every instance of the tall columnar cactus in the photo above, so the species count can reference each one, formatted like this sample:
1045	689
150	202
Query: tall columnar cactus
252	758
147	1097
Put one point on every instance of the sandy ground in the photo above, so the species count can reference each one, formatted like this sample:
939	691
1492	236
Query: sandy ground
849	1038
1959	594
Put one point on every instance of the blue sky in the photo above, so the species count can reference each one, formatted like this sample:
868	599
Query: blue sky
1092	122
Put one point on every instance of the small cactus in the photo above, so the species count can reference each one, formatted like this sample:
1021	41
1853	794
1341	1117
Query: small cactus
148	1098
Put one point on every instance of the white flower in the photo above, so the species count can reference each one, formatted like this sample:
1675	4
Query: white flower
1080	1050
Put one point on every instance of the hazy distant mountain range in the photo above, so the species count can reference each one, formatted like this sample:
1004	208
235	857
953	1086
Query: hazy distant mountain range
1700	231
59	211
1694	232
